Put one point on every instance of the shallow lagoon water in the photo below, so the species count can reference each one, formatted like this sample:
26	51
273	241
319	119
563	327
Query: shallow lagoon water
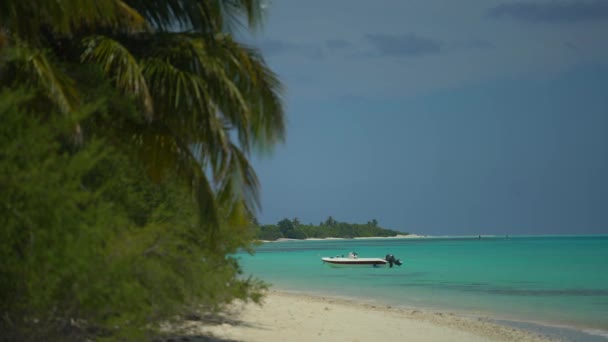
559	280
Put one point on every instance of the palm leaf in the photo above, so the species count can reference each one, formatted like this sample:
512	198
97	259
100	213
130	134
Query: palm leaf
242	87
184	105
182	101
57	85
204	16
117	62
164	153
190	55
235	10
130	20
197	15
207	98
260	87
227	87
66	17
239	182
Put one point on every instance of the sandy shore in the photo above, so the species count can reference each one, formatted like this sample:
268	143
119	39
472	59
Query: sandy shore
296	317
402	236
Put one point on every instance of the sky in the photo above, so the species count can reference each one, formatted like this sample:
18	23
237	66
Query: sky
440	117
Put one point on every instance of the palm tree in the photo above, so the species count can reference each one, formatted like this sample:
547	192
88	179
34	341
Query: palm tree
203	100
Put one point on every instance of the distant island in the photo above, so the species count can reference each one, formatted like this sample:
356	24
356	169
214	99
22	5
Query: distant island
293	229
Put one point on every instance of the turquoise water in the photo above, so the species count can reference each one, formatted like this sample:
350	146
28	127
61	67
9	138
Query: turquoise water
553	279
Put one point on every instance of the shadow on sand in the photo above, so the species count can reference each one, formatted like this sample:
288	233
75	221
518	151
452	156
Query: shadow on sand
195	338
192	324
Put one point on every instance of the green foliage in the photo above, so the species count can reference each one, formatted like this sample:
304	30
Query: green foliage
285	225
269	233
125	181
330	228
330	222
296	234
201	100
91	248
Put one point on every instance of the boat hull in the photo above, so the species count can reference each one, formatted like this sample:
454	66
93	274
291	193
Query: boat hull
359	262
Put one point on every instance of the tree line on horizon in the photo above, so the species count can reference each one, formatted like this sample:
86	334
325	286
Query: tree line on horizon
330	228
127	128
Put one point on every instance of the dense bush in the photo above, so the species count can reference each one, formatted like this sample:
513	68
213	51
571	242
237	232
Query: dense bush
125	182
90	246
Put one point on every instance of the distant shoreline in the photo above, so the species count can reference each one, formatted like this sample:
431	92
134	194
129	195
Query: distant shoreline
417	236
400	236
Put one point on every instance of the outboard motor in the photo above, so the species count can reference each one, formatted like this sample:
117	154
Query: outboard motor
392	260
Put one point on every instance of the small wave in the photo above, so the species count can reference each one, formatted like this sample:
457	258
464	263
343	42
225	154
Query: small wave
596	332
548	292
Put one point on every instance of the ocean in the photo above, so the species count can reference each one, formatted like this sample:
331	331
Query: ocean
552	280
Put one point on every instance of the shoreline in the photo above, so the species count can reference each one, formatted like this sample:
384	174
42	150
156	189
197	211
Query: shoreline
546	330
291	316
552	330
559	319
400	236
417	236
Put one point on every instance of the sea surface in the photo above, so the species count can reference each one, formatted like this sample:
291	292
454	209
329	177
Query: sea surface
553	280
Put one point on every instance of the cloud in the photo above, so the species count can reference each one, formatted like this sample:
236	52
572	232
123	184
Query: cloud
407	45
273	47
379	45
314	51
552	12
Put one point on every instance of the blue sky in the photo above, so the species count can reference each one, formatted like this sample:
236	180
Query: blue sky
441	117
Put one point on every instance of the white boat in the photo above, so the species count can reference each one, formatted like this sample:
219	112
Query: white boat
353	260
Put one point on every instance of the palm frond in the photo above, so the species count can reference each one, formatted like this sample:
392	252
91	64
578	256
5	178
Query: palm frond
56	84
227	87
242	87
239	182
65	17
208	99
191	55
259	86
124	69
163	153
237	10
197	15
130	20
203	16
183	103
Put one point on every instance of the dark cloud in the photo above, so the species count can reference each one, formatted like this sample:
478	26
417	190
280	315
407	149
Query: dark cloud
553	11
408	45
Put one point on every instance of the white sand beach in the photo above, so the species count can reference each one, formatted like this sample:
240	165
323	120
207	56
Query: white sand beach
298	317
400	236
